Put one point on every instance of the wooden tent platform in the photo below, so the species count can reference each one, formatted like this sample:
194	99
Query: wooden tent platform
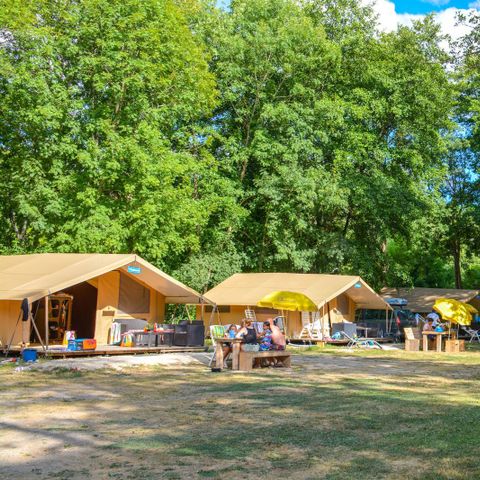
307	341
110	350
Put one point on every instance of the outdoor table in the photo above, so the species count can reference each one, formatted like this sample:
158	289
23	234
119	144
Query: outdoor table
235	351
438	339
365	329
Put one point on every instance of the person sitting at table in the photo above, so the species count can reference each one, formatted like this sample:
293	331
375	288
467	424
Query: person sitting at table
428	327
435	317
247	333
278	338
231	332
266	338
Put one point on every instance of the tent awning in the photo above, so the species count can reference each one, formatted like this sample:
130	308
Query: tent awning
249	288
421	300
37	275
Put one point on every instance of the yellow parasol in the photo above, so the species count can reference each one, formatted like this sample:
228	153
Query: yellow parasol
292	301
454	311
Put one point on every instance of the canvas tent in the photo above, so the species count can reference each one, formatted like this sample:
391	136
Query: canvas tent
104	286
336	296
421	300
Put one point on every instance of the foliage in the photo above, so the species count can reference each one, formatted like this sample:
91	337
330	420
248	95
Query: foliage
269	135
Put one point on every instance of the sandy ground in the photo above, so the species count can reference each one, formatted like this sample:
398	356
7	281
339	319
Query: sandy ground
167	416
120	362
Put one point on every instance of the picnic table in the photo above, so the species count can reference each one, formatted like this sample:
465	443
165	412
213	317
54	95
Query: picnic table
438	339
221	341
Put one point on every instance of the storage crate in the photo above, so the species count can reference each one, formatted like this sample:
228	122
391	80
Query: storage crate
454	346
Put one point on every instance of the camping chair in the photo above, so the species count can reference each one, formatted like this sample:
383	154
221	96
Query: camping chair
474	334
216	331
361	342
311	329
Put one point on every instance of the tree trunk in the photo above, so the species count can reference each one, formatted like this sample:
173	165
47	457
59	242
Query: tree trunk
457	251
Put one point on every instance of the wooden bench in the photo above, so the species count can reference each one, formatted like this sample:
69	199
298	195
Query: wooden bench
246	358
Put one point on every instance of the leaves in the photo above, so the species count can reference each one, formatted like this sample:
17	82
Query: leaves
274	135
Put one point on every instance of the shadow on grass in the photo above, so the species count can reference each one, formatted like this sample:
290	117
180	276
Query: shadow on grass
191	424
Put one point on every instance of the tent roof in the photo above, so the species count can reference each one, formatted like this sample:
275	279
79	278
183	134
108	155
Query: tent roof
422	299
249	288
37	275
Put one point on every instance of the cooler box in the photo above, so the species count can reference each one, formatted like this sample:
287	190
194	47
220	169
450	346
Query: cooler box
89	343
75	345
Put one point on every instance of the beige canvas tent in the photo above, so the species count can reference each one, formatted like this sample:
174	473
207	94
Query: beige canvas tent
336	296
421	300
104	287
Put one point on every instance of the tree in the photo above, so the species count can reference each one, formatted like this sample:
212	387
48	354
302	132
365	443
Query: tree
330	130
100	143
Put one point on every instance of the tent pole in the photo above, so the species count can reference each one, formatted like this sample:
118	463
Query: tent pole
323	321
9	344
46	322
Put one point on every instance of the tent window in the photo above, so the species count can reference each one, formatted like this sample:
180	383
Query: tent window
343	304
134	297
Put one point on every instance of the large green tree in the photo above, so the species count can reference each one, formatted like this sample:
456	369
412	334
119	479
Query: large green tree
331	130
100	146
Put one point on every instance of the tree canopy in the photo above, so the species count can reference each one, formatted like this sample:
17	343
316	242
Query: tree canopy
271	135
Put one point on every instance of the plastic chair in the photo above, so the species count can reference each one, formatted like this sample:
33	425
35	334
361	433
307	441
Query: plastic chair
361	342
474	334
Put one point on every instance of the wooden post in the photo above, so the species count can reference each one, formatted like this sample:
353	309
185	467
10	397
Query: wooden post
439	343
425	343
235	355
46	322
219	355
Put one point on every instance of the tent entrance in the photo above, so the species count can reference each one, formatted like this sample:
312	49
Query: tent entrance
72	309
84	311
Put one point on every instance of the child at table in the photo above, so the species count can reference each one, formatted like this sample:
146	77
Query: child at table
231	332
266	343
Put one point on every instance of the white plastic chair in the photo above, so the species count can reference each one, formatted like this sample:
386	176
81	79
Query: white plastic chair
474	334
361	342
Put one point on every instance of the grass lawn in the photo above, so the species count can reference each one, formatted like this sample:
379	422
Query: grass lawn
335	415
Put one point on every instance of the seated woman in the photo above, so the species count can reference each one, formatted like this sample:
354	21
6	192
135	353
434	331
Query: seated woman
231	332
249	336
428	327
247	333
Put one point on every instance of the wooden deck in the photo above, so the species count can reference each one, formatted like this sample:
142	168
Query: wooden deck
59	352
308	341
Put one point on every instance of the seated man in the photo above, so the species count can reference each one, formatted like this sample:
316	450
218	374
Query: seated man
278	338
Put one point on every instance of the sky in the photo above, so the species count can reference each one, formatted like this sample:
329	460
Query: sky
402	12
